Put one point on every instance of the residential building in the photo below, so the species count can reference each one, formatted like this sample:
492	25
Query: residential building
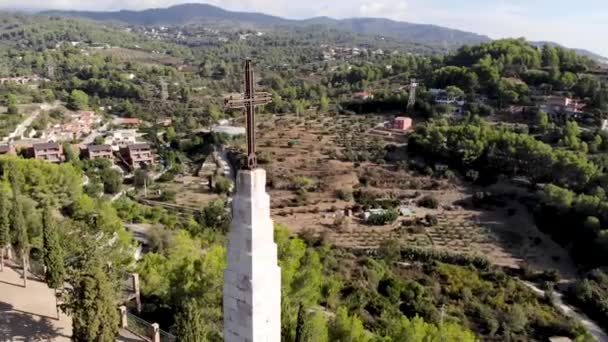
401	123
58	135
563	104
7	149
136	155
52	152
363	95
76	126
121	138
369	213
100	152
22	79
165	121
443	97
127	121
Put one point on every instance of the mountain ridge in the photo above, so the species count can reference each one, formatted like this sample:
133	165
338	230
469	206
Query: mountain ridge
436	36
199	13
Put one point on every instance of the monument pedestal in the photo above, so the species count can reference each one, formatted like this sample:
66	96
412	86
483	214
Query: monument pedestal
252	281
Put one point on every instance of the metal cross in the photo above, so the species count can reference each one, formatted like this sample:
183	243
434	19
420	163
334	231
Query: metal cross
249	100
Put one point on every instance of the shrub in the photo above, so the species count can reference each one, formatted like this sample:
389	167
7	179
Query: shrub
428	202
431	220
344	194
304	183
472	175
301	197
223	186
382	218
428	255
168	196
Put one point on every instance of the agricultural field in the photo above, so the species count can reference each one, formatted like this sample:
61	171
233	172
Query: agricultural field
137	56
311	179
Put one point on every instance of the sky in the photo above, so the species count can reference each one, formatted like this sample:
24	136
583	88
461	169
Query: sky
575	24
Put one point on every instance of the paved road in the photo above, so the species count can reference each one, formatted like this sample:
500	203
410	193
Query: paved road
23	126
29	314
141	232
94	134
226	166
572	312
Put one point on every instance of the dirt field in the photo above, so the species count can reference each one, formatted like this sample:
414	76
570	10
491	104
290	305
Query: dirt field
294	148
189	191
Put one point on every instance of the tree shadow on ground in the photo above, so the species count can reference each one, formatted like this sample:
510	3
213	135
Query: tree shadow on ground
122	338
14	324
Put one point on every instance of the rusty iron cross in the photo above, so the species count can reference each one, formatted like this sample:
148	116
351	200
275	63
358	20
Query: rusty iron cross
249	100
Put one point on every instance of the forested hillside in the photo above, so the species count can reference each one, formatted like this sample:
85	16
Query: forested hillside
202	14
482	119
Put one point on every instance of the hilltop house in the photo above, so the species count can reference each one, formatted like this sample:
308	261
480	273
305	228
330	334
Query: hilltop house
363	95
99	152
137	155
52	152
121	138
7	149
401	123
441	96
563	105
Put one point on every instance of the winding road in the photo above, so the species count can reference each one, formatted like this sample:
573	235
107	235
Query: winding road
596	331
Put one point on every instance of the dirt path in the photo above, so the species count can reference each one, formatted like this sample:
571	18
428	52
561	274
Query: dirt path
591	326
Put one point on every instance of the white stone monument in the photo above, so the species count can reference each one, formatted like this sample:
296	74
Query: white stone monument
252	281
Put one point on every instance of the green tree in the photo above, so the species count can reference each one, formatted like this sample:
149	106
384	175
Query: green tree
70	154
18	222
516	318
92	303
347	328
542	120
550	56
454	91
189	324
5	226
99	140
78	100
11	104
315	328
323	104
53	253
416	329
141	178
112	181
223	185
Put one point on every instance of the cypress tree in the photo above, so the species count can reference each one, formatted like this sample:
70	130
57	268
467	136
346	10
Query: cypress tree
189	326
92	303
300	324
5	224
53	253
18	223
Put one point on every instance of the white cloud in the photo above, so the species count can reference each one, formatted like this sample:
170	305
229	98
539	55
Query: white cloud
388	9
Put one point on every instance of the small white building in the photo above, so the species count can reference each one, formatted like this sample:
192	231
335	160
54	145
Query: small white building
121	138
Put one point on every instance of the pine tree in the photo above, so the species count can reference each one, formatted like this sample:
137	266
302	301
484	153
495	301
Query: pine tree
53	253
189	325
5	236
92	304
18	223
